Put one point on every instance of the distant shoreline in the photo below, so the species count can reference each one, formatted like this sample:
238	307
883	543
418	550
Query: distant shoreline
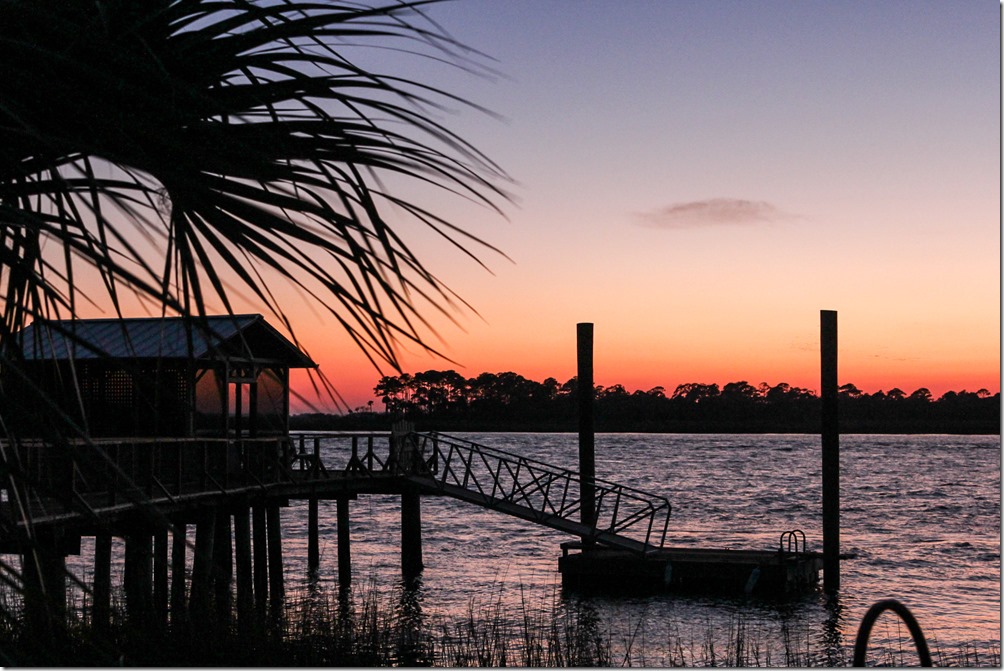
382	422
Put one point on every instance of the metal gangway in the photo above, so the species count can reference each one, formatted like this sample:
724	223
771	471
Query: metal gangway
624	517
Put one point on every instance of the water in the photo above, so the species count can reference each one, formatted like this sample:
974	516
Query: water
922	514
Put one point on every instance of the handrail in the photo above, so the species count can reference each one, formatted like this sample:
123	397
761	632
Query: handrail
865	630
544	492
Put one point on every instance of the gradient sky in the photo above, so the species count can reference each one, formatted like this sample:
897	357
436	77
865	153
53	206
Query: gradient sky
699	179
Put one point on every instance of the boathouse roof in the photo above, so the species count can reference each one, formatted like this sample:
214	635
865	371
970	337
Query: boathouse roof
245	337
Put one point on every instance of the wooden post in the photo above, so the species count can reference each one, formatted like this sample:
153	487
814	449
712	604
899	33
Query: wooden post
313	546
179	541
202	568
137	577
587	459
223	565
411	534
160	576
277	589
831	450
260	548
245	588
101	607
43	569
344	557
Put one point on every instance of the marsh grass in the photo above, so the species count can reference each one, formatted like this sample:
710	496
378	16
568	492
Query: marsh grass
371	627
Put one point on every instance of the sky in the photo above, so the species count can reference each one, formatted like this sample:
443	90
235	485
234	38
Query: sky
700	179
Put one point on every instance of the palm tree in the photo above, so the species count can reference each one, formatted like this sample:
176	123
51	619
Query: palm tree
183	152
185	149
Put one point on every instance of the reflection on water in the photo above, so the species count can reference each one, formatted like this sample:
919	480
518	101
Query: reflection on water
922	514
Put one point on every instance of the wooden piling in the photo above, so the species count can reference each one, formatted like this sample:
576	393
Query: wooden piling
101	606
585	391
260	554
223	566
411	535
202	567
137	577
160	574
43	569
344	549
179	607
277	595
831	450
242	556
313	546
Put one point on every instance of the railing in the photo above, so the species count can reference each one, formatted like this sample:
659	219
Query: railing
100	473
542	492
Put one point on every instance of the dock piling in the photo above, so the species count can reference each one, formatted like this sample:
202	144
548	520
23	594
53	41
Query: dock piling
411	535
245	578
101	605
277	596
831	450
344	548
587	441
179	542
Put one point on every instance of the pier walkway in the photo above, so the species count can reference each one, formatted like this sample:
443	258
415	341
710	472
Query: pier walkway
84	485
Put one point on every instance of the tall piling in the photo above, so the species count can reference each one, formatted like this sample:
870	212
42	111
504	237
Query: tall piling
245	579
202	568
276	586
179	604
223	566
344	546
313	544
260	554
411	535
587	441
137	577
101	606
830	429
160	576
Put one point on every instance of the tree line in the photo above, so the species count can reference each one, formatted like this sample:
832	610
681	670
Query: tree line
446	400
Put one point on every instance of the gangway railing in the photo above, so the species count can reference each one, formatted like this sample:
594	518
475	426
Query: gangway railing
624	517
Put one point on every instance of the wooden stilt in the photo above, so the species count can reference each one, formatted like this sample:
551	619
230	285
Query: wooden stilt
313	547
245	585
223	566
202	565
277	590
411	535
260	549
137	577
344	556
44	573
179	605
831	450
160	576
101	607
585	392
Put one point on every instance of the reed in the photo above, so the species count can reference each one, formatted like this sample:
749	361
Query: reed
374	628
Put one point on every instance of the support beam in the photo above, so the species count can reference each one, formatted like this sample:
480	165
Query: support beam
242	557
223	567
313	543
411	535
260	552
102	590
202	568
344	547
137	577
179	604
831	450
160	573
277	590
585	391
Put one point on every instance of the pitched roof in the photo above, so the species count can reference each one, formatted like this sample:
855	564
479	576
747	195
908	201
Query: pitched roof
246	337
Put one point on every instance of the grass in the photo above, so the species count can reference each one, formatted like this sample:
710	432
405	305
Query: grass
370	628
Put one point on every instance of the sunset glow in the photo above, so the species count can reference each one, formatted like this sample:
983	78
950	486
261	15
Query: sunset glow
699	180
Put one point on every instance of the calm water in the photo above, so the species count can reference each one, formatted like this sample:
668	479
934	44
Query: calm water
922	514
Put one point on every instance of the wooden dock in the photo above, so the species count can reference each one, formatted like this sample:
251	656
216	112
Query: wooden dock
711	570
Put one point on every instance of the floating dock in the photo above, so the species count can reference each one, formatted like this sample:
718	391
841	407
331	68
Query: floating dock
761	572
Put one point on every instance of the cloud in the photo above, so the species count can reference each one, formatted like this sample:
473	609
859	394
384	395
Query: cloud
713	212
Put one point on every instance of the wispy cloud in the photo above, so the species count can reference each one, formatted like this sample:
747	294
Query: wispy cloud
713	212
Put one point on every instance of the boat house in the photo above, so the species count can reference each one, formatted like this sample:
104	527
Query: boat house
222	376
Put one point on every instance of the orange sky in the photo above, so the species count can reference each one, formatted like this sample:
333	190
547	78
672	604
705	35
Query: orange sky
706	182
